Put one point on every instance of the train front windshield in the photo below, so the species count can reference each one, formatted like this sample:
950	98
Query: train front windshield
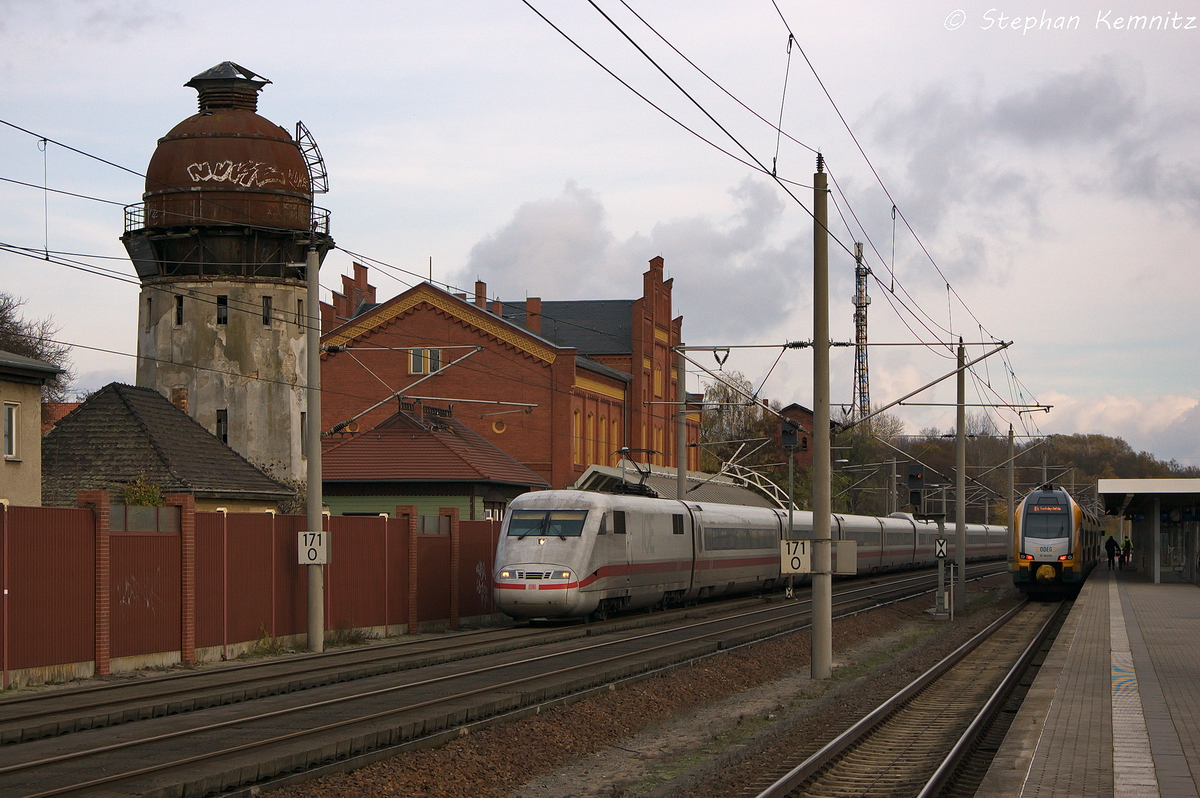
1047	525
547	523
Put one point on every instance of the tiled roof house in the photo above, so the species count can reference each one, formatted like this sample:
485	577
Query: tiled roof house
122	432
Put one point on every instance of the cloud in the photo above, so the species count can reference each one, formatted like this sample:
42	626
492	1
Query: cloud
1168	425
1089	105
731	274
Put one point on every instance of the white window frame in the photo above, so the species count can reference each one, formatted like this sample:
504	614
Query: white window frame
424	361
12	427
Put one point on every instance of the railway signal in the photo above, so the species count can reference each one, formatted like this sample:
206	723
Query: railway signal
916	483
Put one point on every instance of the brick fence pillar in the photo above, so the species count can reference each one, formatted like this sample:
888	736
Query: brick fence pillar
186	503
98	501
408	514
455	548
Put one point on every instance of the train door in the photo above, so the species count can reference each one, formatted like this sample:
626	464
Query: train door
619	554
693	518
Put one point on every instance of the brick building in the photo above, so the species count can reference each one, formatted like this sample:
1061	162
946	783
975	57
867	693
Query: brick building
558	386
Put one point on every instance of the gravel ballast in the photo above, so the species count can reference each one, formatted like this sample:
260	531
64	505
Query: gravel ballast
708	728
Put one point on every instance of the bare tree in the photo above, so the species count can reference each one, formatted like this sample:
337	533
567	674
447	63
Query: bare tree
35	338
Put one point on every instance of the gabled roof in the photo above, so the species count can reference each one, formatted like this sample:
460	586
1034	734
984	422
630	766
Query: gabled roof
122	432
19	368
404	448
496	326
593	326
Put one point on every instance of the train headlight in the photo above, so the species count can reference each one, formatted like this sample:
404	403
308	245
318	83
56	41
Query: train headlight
1064	557
1025	556
563	574
505	574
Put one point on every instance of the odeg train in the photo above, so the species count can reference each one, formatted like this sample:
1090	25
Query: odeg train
572	553
1056	545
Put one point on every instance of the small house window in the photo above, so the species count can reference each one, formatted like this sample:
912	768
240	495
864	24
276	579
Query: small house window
266	302
223	426
179	310
803	444
222	309
425	361
10	430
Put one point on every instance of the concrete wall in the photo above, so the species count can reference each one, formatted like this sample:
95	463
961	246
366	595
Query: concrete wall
253	371
21	475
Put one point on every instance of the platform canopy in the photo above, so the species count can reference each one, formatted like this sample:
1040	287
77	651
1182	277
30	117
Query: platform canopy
1125	497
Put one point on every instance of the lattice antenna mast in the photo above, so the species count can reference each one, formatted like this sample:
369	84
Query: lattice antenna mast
862	380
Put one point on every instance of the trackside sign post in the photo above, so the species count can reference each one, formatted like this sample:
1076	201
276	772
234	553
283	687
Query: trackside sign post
795	556
313	547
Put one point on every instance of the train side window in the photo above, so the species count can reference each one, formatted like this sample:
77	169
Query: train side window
603	529
618	522
676	524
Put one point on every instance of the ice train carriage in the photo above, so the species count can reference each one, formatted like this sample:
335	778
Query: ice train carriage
571	553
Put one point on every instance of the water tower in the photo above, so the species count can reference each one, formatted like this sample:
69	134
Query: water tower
219	244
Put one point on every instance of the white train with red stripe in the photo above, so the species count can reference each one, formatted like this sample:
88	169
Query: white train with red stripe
573	553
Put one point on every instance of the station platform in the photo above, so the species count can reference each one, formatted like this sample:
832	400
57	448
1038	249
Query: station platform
1115	708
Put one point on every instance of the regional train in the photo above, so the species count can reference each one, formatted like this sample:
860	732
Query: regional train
573	553
1056	545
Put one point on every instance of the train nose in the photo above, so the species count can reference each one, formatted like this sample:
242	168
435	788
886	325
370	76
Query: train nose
1046	573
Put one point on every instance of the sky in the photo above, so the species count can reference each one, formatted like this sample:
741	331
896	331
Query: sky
1043	161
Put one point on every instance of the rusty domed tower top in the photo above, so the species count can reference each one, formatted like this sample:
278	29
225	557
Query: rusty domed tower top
234	183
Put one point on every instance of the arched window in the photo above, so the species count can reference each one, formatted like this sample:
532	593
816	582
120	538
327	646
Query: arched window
603	455
577	439
591	440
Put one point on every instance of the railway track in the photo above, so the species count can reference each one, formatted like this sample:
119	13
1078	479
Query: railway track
914	743
239	741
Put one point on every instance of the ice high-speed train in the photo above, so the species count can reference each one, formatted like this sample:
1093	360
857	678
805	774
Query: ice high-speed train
1057	543
572	553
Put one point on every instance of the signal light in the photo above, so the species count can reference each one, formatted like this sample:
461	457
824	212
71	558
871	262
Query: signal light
916	483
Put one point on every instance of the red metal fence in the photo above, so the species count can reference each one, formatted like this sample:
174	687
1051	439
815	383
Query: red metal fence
76	591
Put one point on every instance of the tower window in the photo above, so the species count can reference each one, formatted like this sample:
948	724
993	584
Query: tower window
303	434
425	361
178	310
222	309
266	311
300	312
149	313
223	426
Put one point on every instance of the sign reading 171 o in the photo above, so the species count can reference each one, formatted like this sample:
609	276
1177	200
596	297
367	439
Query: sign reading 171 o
795	557
312	547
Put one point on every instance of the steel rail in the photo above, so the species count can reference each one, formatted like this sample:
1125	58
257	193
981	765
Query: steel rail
789	612
844	741
962	747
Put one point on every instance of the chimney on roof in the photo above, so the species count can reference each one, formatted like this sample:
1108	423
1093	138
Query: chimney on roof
497	307
533	314
481	294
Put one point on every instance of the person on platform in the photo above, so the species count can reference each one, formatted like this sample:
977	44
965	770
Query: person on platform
1112	547
1127	552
